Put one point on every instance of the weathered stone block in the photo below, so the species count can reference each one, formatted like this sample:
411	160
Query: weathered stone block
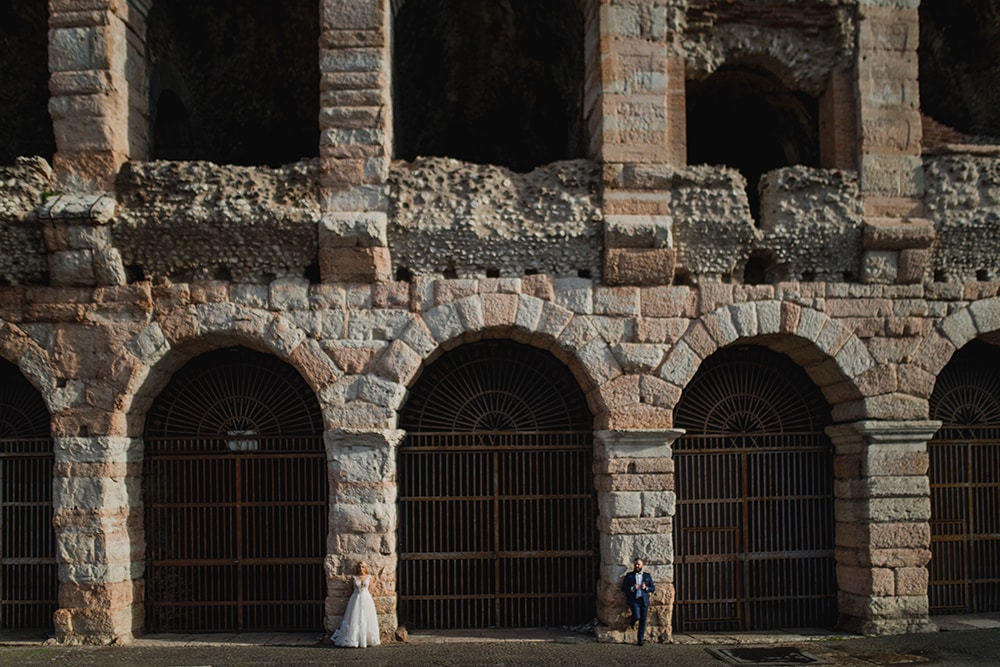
637	266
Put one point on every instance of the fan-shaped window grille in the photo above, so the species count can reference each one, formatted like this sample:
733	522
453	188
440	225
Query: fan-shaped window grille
750	392
28	576
964	475
496	490
236	498
495	386
753	530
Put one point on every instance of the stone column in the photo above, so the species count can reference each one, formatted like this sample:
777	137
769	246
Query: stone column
99	537
883	507
636	116
89	104
355	141
634	475
362	525
897	239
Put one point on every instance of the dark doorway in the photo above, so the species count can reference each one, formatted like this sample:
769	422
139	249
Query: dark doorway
754	528
236	498
496	493
489	81
965	484
29	580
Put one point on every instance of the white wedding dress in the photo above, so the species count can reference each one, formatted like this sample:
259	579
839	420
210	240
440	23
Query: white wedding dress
359	628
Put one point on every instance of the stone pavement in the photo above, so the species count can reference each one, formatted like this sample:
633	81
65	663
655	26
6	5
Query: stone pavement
971	641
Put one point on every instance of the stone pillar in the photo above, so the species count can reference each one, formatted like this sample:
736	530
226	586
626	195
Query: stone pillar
355	141
362	473
897	239
883	507
100	540
636	117
89	103
634	475
77	235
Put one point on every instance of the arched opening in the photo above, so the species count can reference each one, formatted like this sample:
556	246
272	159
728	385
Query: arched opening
754	526
497	520
964	574
26	129
243	84
28	572
746	118
489	81
236	491
960	64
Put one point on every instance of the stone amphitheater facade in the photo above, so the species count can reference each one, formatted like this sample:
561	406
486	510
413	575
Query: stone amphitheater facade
359	266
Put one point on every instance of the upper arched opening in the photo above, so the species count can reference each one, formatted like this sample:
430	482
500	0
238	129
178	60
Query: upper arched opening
234	82
26	129
960	64
489	81
745	117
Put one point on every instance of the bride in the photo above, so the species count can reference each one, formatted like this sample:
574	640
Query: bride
360	625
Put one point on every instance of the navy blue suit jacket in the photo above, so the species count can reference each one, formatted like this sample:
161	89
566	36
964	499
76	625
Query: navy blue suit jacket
642	596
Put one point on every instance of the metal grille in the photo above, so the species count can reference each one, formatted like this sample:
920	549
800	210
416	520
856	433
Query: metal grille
753	530
28	574
965	484
236	499
497	525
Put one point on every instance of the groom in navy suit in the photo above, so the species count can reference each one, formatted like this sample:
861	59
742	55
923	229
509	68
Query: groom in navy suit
637	586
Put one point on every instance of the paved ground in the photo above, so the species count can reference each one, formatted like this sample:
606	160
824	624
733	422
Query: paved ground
963	641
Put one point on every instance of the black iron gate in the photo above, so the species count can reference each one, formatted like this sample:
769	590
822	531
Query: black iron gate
498	513
964	572
236	499
753	530
28	571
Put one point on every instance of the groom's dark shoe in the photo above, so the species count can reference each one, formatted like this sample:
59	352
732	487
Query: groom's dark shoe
632	624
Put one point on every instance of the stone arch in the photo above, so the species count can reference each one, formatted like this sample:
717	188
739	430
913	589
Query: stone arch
38	367
980	319
167	344
519	317
833	356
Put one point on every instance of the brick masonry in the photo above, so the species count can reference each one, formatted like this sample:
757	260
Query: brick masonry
640	283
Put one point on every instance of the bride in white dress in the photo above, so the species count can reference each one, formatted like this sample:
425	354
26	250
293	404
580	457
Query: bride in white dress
359	628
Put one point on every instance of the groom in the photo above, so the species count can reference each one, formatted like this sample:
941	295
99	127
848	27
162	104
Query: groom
637	586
